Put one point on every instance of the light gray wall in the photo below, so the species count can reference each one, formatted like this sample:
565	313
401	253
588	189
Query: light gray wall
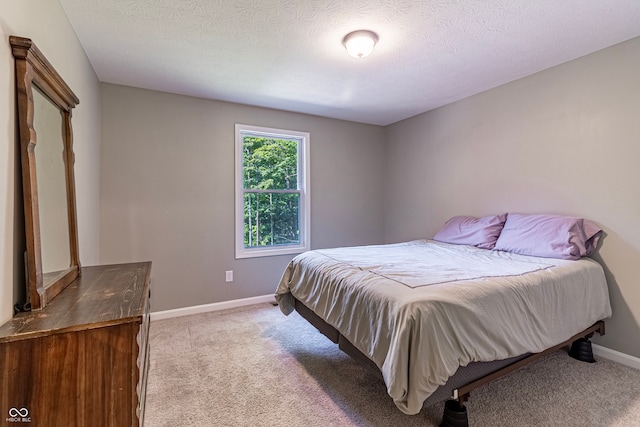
168	189
45	22
564	141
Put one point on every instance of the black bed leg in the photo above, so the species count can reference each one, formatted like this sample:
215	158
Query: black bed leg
455	414
581	350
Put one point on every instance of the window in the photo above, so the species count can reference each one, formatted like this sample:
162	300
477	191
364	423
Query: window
272	191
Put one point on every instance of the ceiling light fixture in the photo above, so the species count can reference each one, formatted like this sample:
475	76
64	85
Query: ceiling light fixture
360	43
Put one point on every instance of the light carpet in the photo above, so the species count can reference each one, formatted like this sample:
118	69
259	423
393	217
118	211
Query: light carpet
253	366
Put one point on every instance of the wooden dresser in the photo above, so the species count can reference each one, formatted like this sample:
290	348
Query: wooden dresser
83	359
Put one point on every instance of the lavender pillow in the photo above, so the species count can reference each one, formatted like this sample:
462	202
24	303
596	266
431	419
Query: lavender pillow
549	236
469	230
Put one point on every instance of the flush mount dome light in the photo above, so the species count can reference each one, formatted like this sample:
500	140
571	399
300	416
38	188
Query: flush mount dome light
360	43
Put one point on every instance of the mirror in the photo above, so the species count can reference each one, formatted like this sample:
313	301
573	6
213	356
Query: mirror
52	188
46	149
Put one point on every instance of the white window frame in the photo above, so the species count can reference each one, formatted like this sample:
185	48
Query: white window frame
304	213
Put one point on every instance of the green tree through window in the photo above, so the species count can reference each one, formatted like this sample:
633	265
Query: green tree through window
271	195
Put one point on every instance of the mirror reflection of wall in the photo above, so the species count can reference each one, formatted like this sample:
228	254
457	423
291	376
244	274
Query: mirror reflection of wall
52	188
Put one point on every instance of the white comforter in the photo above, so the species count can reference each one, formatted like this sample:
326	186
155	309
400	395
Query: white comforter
421	309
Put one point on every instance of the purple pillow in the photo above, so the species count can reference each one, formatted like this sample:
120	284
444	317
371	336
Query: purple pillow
549	236
469	230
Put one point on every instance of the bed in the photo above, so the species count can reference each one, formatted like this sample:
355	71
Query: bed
437	318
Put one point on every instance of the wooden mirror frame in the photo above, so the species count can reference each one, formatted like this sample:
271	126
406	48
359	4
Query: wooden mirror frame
32	68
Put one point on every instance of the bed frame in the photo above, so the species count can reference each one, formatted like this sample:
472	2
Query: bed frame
466	379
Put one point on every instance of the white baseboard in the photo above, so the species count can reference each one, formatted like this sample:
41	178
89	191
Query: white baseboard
616	356
205	308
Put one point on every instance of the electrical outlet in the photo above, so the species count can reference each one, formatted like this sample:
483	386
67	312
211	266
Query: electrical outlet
228	275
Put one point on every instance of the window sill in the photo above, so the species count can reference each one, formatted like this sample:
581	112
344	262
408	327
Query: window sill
266	252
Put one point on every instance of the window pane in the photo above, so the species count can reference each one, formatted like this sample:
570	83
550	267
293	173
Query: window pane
271	219
269	163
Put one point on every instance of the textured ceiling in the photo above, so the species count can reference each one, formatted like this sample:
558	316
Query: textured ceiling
288	54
